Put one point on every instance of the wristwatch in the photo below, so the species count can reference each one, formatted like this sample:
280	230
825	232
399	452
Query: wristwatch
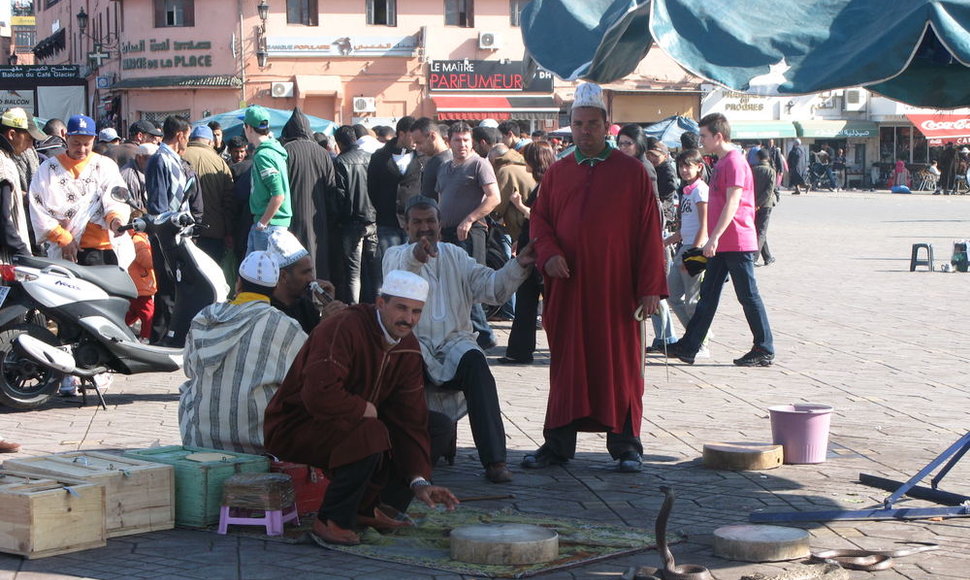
420	482
260	226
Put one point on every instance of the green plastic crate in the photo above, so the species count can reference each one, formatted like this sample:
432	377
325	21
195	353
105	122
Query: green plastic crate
198	484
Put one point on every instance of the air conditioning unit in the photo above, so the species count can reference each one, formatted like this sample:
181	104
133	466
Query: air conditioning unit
854	100
489	41
365	104
281	90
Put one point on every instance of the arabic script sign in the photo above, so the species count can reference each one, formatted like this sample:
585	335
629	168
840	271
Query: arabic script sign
63	71
341	46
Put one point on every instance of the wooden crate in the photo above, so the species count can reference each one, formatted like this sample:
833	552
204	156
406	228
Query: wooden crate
139	496
198	484
42	517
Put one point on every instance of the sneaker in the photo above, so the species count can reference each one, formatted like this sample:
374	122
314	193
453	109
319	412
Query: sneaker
704	352
676	350
542	458
69	386
630	462
756	357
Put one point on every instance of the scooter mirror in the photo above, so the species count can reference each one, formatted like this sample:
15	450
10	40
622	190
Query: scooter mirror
121	194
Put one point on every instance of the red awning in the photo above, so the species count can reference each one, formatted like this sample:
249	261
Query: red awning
498	107
943	128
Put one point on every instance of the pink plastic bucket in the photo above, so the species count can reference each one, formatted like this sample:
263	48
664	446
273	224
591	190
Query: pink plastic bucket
802	430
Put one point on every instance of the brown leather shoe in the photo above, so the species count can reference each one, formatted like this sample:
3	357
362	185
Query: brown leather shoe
498	472
331	533
9	446
385	519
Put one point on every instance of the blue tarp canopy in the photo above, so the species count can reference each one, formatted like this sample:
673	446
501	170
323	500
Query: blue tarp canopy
914	51
232	122
670	129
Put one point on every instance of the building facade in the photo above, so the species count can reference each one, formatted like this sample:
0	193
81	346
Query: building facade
367	61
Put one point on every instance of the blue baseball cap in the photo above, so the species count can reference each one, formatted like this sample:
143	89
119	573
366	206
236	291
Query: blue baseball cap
81	125
202	132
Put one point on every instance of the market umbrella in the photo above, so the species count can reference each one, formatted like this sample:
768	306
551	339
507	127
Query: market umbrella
914	51
670	129
232	122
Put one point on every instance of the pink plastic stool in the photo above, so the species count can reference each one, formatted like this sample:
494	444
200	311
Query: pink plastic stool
272	519
271	494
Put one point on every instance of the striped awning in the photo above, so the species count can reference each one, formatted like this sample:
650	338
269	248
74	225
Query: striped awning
498	107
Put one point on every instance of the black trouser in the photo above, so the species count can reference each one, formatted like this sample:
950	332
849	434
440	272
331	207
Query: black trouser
562	440
359	264
761	226
165	296
92	257
522	338
214	247
474	244
475	380
358	487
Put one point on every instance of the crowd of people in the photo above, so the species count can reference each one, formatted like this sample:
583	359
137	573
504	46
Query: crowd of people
356	337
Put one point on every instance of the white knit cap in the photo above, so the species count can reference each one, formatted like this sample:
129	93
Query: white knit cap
286	248
489	123
405	285
260	267
589	95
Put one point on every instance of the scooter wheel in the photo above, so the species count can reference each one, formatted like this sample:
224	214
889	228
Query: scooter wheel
24	384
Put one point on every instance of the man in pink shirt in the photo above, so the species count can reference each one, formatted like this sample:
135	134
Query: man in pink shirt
731	249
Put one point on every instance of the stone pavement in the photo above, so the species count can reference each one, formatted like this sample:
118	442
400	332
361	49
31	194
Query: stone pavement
853	329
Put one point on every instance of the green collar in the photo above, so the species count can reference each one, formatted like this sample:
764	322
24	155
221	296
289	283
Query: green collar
594	159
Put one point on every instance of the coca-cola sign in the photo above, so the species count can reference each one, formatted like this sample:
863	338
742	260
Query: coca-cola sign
941	127
931	125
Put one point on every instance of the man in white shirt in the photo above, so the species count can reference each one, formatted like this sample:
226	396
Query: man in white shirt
451	354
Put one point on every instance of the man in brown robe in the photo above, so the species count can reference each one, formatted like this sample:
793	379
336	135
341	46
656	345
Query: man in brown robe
353	404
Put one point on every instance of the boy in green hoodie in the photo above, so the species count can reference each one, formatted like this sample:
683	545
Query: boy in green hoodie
270	198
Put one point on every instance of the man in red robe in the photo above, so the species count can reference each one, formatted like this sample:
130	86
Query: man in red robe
353	404
597	233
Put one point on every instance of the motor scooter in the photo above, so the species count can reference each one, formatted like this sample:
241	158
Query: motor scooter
86	305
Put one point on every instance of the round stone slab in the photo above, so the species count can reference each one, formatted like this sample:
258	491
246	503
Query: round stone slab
504	544
753	543
742	456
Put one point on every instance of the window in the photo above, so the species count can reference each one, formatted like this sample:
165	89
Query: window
382	12
24	40
302	12
460	13
515	12
169	13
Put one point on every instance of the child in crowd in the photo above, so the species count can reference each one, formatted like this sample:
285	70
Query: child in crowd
143	275
684	288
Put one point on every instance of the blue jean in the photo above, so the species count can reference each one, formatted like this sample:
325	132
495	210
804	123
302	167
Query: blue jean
740	266
388	237
663	325
259	240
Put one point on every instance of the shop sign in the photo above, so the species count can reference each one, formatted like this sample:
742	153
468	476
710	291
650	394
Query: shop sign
485	76
341	46
185	58
741	102
17	98
40	72
856	133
